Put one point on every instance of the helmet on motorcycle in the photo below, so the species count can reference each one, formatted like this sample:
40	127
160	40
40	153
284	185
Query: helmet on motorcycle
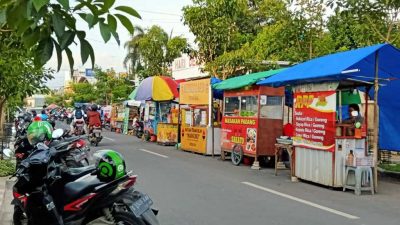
39	131
110	165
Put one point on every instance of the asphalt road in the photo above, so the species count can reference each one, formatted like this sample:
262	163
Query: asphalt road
191	189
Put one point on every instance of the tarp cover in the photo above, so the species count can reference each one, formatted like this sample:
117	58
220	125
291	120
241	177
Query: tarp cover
357	64
245	80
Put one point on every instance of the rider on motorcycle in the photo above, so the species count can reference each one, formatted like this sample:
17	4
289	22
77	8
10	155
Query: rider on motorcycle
94	118
78	115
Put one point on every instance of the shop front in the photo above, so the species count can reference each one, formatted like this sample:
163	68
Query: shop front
200	117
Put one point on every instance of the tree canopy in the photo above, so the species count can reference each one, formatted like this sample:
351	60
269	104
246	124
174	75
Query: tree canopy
236	36
151	52
45	25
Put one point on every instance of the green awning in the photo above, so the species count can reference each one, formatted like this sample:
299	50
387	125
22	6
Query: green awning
133	94
244	80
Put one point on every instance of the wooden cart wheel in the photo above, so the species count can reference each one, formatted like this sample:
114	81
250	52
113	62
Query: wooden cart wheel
237	155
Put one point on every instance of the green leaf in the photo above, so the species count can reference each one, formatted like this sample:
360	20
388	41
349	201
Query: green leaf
116	37
105	32
126	22
64	3
58	24
31	39
59	55
70	58
112	22
108	4
44	52
128	10
91	20
66	39
85	50
91	54
38	4
3	17
81	35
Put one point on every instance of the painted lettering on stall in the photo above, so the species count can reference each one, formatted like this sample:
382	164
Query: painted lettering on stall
240	121
237	140
304	101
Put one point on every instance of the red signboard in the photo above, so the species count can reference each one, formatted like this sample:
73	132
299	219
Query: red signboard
314	120
239	131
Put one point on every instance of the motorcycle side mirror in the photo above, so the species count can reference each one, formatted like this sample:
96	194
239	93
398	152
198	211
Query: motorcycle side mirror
7	153
57	133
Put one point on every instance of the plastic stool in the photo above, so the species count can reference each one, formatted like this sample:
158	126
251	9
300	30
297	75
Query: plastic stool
363	176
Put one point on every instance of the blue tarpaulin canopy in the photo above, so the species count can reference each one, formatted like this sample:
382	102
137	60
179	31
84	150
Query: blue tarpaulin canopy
357	65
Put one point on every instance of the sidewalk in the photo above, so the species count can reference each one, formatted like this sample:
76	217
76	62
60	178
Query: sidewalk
5	201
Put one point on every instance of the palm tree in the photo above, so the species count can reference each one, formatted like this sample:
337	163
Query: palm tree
132	58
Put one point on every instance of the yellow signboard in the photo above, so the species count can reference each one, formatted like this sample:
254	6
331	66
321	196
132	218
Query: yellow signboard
194	139
195	92
167	133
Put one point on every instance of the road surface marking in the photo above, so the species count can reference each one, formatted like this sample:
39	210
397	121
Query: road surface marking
302	201
109	139
154	153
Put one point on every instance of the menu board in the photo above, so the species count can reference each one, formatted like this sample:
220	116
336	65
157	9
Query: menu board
314	120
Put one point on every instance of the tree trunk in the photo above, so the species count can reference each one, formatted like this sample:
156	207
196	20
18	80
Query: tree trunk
2	116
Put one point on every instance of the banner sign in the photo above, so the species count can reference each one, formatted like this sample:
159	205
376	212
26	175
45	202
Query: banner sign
314	118
239	131
167	133
195	92
194	139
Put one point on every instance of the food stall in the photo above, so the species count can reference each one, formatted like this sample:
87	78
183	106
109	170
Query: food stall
132	109
200	113
325	138
252	118
160	111
117	117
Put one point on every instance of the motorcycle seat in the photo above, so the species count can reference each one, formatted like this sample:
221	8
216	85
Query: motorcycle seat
72	174
78	188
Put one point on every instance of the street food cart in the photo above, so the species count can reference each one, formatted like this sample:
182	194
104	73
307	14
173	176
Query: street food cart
132	109
325	138
200	113
117	117
160	112
252	118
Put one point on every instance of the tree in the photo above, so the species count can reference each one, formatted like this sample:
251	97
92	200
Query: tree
152	52
133	59
18	75
220	25
110	88
360	23
44	25
83	92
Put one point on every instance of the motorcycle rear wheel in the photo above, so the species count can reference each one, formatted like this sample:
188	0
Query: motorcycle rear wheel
126	218
19	218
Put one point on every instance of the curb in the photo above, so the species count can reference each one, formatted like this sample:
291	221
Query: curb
395	176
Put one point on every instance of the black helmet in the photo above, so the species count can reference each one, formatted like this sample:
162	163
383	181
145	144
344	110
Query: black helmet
78	107
94	107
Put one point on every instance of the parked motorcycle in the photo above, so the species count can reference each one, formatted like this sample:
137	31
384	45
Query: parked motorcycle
76	152
45	194
138	129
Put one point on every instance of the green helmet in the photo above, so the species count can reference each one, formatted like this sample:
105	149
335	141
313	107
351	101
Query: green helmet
39	131
110	165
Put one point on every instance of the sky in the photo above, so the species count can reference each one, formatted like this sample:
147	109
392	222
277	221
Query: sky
165	13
